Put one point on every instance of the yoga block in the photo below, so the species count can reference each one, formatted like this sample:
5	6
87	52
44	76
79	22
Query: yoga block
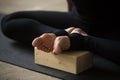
69	61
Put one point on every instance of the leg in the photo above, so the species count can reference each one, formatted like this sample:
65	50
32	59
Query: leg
46	41
25	30
25	26
30	24
60	20
80	40
69	42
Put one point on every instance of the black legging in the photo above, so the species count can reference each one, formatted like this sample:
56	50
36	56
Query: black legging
25	26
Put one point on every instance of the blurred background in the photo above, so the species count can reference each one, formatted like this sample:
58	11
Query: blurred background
9	6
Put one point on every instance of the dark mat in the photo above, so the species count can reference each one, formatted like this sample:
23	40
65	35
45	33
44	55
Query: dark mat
23	56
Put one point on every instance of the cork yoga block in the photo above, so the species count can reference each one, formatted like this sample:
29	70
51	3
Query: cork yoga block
72	62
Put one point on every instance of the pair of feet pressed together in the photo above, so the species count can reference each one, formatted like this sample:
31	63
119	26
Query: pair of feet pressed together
49	42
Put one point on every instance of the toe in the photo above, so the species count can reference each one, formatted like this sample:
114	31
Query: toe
37	42
43	48
57	49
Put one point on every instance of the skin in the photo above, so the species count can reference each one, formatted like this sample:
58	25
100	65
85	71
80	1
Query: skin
45	42
48	42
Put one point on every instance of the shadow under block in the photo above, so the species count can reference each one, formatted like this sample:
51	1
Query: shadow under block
72	62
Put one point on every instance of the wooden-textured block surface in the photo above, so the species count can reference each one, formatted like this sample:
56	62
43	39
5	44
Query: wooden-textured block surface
72	62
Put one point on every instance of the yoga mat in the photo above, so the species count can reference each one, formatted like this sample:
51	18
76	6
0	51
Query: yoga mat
23	56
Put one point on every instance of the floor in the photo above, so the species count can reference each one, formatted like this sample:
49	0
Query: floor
8	6
12	72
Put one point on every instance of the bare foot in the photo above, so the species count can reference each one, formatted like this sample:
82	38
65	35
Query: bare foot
69	30
79	31
61	43
45	42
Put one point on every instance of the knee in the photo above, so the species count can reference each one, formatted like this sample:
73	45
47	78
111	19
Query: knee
20	25
11	16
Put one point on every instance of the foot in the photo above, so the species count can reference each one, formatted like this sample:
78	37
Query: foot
79	31
61	43
45	42
69	30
